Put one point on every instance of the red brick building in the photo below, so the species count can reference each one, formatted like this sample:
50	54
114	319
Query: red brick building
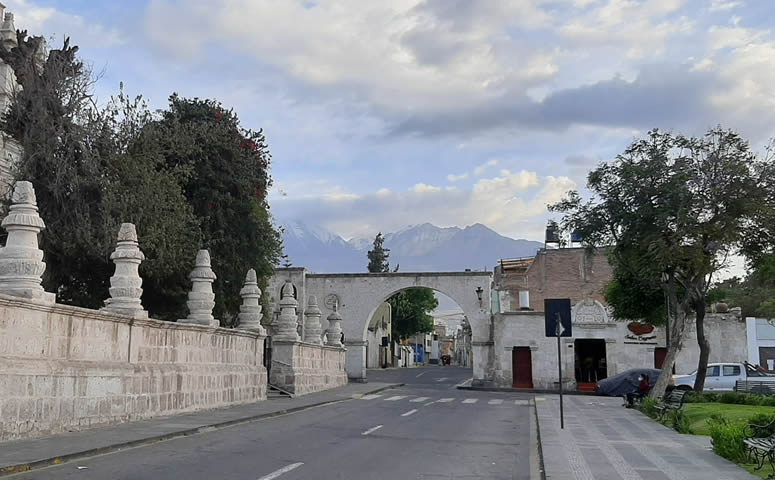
553	273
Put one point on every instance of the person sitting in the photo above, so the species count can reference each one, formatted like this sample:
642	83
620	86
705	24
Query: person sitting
642	391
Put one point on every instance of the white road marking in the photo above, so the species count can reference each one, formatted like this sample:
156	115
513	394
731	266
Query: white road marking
277	473
372	429
420	399
539	399
470	400
446	400
397	397
371	396
521	402
495	402
408	413
441	379
420	375
429	403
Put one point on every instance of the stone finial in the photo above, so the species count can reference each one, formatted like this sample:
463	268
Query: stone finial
250	310
201	298
21	261
313	331
285	329
125	284
334	331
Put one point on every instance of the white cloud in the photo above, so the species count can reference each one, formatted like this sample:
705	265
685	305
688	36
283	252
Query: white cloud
720	5
513	203
51	22
455	178
479	171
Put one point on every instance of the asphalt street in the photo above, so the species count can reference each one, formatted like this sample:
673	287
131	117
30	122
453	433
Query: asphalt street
426	429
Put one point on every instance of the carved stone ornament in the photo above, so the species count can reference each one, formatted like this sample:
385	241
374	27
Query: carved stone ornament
287	322
126	283
250	310
313	331
201	298
21	261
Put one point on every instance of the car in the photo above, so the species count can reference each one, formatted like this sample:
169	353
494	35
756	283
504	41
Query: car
625	382
722	377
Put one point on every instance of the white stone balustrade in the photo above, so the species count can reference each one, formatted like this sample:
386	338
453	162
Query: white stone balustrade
21	261
201	298
250	310
126	284
285	330
334	331
313	331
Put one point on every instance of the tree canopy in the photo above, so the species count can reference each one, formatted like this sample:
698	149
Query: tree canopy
189	177
411	311
378	256
672	208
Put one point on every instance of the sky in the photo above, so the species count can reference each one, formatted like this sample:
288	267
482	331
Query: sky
383	114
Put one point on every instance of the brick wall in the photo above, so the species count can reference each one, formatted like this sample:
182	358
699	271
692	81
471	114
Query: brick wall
561	273
65	368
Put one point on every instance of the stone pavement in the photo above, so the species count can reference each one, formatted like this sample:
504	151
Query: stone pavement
23	455
604	441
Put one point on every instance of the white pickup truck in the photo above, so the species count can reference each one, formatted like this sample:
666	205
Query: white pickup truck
722	377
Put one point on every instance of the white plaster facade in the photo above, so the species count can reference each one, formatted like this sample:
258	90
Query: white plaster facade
360	294
623	349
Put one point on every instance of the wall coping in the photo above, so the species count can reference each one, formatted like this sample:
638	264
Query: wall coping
399	274
307	344
105	316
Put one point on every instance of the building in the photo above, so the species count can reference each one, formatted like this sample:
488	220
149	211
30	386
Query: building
600	346
378	338
10	150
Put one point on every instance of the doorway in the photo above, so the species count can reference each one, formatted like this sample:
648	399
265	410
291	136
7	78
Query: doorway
591	364
660	353
522	367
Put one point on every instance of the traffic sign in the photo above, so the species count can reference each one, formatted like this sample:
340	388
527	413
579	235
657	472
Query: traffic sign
557	317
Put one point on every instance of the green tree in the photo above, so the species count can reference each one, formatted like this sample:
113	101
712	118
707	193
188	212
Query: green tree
673	208
378	256
223	170
410	310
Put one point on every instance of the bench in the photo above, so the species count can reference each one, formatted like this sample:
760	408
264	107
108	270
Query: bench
672	401
759	445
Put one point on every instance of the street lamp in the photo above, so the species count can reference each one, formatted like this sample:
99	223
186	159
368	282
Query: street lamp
479	292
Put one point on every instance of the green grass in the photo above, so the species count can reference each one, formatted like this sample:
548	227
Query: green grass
699	413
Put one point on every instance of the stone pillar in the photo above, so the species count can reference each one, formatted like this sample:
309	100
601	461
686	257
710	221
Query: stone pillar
201	298
334	331
313	331
125	284
285	330
21	261
250	310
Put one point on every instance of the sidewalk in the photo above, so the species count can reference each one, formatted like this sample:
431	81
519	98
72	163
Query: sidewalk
23	455
604	441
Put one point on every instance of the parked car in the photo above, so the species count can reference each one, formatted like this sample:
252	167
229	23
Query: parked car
722	377
625	382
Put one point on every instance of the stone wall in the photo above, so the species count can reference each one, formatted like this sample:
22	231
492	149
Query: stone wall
64	368
624	350
301	368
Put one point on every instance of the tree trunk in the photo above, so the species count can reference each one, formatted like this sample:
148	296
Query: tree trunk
677	327
702	341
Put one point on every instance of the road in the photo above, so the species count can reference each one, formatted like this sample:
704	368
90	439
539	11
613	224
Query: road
426	429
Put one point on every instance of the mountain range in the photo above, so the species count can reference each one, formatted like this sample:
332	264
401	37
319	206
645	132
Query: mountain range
417	248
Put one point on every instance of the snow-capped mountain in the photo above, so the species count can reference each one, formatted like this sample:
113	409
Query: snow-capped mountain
416	248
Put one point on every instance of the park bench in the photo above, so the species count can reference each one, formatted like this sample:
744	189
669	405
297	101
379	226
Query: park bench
760	443
672	401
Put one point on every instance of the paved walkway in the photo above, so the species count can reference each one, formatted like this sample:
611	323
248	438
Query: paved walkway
36	453
604	441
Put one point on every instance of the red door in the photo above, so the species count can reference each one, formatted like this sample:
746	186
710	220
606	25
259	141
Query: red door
659	357
522	366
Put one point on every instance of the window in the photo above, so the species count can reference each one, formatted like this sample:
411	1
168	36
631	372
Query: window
712	371
731	370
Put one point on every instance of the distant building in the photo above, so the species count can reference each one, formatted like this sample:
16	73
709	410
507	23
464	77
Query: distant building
600	346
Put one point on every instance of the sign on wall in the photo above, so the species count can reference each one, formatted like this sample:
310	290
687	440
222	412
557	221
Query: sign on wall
557	312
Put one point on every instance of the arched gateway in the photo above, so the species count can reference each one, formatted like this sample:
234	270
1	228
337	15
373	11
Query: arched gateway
359	294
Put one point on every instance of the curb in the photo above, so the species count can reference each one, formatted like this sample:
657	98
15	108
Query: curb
524	390
58	460
541	463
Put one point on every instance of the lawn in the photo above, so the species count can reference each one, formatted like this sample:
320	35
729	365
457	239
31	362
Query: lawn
699	413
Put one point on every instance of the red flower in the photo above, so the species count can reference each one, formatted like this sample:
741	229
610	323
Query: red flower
209	206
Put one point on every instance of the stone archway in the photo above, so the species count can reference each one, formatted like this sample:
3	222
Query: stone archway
359	294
